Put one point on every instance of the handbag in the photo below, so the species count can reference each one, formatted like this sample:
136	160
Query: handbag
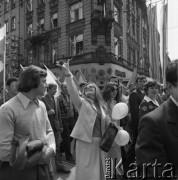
108	137
25	153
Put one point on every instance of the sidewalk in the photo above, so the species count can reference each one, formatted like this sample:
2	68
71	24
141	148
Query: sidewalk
61	176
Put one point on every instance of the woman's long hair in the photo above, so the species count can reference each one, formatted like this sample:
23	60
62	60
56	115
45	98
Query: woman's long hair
108	88
98	97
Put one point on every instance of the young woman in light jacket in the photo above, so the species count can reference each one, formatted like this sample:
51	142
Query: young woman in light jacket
109	93
89	128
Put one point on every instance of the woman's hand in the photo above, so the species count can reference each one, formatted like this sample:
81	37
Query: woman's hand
65	67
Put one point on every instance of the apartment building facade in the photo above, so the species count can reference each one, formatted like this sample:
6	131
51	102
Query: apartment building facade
103	37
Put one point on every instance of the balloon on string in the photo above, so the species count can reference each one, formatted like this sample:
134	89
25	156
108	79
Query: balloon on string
122	138
120	110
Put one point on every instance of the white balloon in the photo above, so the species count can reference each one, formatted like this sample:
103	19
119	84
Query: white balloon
120	110
122	138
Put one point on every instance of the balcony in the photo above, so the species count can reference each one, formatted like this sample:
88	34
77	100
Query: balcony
101	24
53	4
41	9
29	15
74	27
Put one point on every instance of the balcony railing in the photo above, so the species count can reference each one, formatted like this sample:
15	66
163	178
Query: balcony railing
53	3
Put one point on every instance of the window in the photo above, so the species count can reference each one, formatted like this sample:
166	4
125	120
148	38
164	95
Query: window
6	5
117	14
133	26
76	45
29	5
138	58
7	48
128	54
13	4
54	51
41	53
76	12
118	46
134	57
29	56
13	23
7	26
138	30
128	25
54	22
29	30
41	25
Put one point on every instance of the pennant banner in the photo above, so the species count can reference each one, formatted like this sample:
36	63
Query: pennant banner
51	78
2	49
163	40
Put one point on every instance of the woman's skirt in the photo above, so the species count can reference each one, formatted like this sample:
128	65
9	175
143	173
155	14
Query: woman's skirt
90	160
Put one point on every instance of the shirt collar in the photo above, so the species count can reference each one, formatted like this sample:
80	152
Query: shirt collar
175	102
148	99
25	100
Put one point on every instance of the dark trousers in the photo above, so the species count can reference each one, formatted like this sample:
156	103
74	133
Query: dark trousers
35	173
130	154
58	160
68	125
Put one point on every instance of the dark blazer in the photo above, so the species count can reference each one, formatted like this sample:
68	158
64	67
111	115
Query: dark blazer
158	137
135	99
55	120
146	107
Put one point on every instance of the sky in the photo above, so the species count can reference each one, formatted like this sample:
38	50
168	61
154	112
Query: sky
173	29
172	25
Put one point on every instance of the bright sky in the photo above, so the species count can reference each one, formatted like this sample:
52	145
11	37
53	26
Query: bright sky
172	25
173	29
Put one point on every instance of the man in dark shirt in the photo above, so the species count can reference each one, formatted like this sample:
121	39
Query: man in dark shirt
135	99
54	115
68	120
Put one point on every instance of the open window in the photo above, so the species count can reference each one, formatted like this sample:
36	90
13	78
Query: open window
76	45
54	20
76	12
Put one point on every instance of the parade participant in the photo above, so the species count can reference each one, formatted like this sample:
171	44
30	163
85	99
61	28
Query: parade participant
81	86
166	94
68	120
12	88
25	115
54	115
149	102
109	93
89	128
135	99
157	143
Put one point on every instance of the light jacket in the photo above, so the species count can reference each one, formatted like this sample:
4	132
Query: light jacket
83	129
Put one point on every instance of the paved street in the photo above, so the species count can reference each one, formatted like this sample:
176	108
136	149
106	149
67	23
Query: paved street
62	176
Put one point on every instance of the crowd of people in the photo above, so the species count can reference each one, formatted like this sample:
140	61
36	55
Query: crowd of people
81	114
